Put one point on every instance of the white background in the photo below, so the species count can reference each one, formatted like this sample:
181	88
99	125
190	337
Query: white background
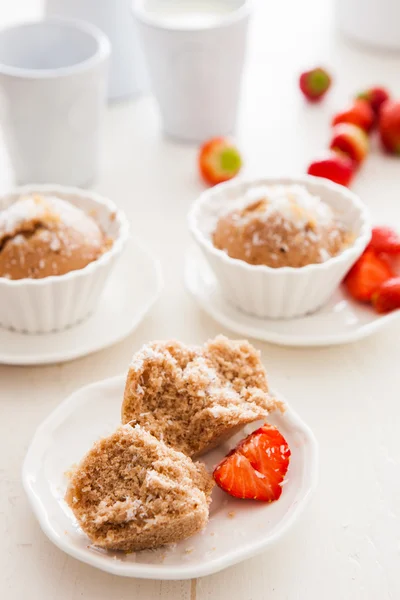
346	546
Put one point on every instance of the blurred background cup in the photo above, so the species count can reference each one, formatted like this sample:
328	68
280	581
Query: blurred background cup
53	77
371	22
127	76
195	52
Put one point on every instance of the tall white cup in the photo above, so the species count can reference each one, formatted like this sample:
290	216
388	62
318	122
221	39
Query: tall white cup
195	53
53	76
127	72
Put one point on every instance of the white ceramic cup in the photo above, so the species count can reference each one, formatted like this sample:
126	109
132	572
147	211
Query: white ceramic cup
195	62
127	71
53	76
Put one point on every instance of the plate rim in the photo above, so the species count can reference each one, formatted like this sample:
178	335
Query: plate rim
278	338
61	357
40	441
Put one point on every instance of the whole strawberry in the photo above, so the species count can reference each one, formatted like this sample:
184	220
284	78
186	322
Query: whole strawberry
219	160
315	83
389	126
375	97
387	296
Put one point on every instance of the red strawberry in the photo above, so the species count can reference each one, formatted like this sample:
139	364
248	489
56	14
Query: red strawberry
389	126
376	97
315	83
219	160
335	166
360	114
366	276
351	140
387	297
385	239
256	468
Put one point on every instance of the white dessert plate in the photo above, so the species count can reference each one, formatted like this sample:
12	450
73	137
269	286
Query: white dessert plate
237	529
340	321
130	292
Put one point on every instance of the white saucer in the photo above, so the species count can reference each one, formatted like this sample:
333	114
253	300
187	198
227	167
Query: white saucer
130	292
339	322
236	530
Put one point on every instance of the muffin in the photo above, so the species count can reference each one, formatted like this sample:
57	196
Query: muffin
42	236
279	246
281	226
192	397
58	247
132	492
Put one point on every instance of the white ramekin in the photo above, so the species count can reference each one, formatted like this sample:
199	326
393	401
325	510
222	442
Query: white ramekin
286	292
56	302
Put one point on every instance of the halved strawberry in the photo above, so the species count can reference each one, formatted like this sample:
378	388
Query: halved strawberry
219	160
367	275
359	113
351	140
385	239
336	166
256	468
387	296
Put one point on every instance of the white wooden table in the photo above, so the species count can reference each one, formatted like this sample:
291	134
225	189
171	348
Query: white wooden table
346	546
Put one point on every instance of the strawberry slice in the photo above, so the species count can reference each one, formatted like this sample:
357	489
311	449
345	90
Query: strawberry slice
385	239
367	275
219	161
256	468
387	297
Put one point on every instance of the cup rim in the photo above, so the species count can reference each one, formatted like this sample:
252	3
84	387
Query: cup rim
352	252
230	18
102	52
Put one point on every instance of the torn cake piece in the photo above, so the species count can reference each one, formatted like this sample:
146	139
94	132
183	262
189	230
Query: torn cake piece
192	397
132	492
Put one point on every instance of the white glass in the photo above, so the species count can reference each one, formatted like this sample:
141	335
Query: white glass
53	76
195	53
127	72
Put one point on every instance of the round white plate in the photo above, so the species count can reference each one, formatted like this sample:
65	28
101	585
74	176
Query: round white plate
339	322
130	292
236	530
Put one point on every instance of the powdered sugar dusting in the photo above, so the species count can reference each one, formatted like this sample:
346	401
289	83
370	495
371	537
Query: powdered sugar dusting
41	208
293	202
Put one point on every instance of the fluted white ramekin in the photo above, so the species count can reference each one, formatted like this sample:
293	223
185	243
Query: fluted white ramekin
57	302
285	292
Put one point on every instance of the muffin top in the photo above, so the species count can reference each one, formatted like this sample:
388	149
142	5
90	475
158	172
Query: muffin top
42	236
281	226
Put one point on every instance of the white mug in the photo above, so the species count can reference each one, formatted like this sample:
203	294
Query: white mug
127	75
195	53
53	76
